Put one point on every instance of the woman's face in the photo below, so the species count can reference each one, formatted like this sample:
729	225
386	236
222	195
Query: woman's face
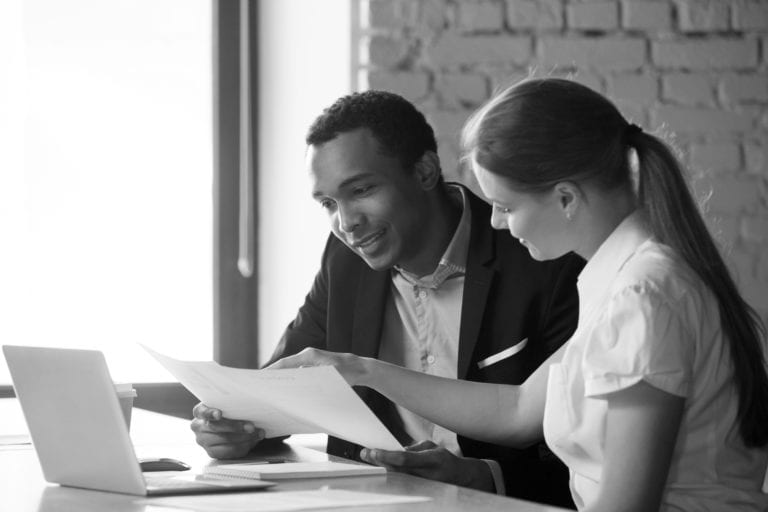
537	220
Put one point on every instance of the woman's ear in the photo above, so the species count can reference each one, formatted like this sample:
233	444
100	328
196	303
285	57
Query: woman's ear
427	170
569	197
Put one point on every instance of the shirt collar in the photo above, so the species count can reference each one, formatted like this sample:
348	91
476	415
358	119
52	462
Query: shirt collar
454	259
611	256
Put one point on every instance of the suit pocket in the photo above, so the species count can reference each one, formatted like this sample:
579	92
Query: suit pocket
504	354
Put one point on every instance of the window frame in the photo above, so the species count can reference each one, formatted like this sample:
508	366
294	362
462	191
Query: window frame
235	341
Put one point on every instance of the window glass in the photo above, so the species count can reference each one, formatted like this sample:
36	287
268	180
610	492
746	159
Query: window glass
304	62
105	179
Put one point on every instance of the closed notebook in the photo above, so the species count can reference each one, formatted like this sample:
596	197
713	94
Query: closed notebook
321	469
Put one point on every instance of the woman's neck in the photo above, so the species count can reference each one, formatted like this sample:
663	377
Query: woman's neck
602	214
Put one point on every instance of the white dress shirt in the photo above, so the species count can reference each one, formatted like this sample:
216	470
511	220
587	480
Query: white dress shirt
421	328
644	315
421	323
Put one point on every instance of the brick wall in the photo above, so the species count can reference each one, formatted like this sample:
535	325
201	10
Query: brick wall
697	68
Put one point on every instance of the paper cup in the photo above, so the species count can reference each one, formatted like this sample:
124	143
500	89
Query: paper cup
125	395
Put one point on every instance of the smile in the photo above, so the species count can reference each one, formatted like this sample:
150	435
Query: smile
369	240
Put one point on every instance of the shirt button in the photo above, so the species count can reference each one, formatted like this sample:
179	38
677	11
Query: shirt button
431	359
423	294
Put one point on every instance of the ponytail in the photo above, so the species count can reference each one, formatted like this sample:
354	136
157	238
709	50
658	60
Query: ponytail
543	131
675	220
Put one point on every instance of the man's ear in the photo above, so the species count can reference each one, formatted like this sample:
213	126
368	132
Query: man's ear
569	197
427	170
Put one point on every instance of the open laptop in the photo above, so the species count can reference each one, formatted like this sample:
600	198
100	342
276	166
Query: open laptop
78	429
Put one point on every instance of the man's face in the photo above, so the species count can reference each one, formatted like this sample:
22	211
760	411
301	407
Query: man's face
376	207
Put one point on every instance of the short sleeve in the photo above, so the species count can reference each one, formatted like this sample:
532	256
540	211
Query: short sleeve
640	336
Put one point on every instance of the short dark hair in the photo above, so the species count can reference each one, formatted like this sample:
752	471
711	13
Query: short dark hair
401	130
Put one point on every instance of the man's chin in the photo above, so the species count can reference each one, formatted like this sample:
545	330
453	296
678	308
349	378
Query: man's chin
378	263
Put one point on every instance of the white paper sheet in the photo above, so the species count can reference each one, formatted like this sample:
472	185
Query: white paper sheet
291	401
280	501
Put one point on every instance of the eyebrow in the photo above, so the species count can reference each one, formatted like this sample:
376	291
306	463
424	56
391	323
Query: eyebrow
347	182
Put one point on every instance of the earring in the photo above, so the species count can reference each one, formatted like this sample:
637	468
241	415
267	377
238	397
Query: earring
569	216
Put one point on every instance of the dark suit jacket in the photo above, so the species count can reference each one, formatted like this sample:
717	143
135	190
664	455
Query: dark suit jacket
508	297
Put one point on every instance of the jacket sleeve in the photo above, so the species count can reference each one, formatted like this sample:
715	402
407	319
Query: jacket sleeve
309	328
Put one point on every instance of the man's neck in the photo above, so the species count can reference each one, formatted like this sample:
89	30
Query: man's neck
444	217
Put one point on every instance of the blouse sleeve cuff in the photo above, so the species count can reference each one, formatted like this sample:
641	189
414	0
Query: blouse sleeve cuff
672	383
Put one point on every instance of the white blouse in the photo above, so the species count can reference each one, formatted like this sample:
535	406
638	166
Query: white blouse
645	315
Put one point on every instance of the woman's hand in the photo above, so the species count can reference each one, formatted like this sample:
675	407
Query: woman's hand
353	368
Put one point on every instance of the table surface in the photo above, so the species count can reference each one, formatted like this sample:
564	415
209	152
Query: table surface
22	487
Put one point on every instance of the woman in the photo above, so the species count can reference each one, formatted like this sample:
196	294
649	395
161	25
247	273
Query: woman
660	398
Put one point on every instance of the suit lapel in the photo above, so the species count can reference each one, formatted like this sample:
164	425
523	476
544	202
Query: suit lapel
371	301
369	312
477	282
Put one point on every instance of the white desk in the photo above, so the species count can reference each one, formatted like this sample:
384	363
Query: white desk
22	488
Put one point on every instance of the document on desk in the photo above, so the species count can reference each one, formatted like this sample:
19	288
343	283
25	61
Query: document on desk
282	402
281	501
288	470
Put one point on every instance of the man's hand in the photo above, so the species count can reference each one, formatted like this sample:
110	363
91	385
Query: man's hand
223	438
428	460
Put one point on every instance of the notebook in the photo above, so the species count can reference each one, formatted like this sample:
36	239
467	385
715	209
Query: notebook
78	430
321	469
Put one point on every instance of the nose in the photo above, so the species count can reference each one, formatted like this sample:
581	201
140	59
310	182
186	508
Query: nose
348	217
498	219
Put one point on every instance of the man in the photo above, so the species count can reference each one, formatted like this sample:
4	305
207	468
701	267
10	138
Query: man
415	275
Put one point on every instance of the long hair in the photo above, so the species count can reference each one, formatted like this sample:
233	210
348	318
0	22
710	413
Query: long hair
543	131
